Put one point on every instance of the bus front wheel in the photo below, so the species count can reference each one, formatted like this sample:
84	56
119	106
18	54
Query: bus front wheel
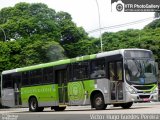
33	105
98	102
126	105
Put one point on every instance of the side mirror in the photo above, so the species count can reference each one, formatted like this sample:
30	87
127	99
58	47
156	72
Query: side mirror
157	70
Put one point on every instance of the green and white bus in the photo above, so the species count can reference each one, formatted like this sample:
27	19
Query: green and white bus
118	77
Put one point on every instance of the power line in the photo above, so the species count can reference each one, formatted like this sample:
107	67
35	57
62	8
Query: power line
122	25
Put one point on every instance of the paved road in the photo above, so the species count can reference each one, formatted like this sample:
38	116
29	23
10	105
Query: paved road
137	111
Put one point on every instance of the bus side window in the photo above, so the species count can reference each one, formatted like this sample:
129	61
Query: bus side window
25	78
48	75
98	68
70	72
75	71
7	81
80	70
36	76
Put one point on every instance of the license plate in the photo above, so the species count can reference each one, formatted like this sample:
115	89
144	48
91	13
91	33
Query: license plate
146	99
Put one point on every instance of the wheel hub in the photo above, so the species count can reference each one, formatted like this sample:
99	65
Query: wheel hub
33	105
98	101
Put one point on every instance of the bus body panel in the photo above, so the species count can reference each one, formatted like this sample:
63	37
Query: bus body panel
8	97
79	92
47	95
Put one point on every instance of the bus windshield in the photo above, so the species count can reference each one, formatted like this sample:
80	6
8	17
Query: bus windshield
140	71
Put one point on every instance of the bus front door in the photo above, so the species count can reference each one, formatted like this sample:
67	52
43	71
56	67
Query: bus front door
61	78
116	81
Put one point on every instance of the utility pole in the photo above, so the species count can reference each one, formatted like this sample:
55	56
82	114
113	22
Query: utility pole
99	17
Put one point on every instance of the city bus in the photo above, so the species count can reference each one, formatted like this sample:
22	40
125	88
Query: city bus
119	78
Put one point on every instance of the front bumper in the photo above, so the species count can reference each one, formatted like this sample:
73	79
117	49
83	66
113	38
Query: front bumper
141	97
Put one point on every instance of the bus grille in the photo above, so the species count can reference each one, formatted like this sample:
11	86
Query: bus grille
143	87
144	96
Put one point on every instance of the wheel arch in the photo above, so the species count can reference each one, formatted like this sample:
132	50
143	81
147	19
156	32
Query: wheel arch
92	96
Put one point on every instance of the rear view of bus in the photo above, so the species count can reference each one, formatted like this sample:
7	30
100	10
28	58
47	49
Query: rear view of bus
141	76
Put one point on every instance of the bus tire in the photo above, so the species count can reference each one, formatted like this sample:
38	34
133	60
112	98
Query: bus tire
126	105
57	108
98	102
33	105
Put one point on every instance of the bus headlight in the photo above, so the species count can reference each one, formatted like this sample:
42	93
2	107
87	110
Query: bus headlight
131	90
155	90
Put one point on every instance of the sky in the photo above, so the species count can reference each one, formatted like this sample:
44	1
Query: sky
85	14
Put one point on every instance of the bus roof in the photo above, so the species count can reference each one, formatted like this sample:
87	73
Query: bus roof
55	63
67	61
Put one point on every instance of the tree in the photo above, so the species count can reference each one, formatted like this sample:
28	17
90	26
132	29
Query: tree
9	55
38	22
41	52
32	32
82	47
26	20
70	33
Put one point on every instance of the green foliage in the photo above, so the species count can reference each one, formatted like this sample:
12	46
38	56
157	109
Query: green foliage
145	39
153	25
26	20
41	52
38	34
16	54
9	55
82	47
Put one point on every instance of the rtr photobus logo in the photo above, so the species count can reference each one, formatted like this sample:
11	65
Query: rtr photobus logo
117	6
135	5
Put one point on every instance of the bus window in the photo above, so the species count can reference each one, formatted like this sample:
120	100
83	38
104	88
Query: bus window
80	70
7	81
70	72
25	78
36	76
60	76
48	75
98	68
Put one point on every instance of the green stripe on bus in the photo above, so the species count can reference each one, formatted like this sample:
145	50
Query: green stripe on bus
56	63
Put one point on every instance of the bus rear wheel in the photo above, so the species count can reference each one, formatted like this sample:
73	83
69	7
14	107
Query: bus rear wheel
33	105
98	102
126	105
57	108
